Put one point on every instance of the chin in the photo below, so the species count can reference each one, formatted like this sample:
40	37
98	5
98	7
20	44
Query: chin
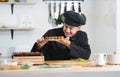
68	36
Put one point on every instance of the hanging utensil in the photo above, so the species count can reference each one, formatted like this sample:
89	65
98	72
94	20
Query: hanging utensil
65	8
73	8
54	11
58	21
82	15
79	8
50	15
59	10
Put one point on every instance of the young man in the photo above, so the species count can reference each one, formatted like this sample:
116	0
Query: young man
74	45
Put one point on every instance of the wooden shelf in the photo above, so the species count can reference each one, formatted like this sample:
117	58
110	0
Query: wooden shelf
18	28
16	3
14	28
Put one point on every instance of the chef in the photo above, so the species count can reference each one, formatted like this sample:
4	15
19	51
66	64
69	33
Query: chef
74	45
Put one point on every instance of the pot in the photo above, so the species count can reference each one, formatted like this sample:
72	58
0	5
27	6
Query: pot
113	58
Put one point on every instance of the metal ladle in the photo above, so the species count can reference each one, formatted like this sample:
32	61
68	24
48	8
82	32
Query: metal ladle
73	8
54	11
65	8
50	15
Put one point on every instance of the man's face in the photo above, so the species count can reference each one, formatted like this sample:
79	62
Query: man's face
69	31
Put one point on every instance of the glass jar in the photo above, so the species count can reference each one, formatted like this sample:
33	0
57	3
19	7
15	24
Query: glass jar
20	0
3	0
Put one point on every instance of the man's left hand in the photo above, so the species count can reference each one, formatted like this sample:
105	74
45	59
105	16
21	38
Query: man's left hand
65	41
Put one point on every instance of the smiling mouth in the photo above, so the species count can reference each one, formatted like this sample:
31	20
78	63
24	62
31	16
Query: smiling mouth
67	35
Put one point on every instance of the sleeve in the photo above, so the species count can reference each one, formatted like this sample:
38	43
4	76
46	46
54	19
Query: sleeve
35	46
82	50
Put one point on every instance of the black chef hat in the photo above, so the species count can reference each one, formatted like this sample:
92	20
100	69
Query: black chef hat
74	19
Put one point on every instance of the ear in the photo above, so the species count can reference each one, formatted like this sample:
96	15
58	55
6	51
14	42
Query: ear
79	27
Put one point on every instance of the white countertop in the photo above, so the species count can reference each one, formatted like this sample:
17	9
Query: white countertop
74	71
35	69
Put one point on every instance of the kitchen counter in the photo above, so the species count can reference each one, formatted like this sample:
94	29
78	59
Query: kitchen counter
77	71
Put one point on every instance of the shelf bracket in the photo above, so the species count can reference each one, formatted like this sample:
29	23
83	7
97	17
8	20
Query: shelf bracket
12	33
12	8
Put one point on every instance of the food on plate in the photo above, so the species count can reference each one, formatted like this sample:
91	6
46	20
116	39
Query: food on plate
13	67
26	66
54	66
9	67
54	37
3	67
27	54
82	60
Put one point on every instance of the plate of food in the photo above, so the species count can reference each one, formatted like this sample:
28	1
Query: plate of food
54	66
53	38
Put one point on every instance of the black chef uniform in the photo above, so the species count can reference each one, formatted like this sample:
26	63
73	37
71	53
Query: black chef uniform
52	50
79	47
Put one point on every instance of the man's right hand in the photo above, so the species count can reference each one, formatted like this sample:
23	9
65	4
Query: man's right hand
41	42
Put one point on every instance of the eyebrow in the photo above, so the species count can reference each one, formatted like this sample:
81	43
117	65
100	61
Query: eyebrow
68	26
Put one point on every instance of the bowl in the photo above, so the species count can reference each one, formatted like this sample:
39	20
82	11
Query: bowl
8	62
113	59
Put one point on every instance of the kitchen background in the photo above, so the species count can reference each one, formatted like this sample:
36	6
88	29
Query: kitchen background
102	25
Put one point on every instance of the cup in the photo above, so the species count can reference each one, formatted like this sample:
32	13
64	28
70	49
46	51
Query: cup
6	61
100	59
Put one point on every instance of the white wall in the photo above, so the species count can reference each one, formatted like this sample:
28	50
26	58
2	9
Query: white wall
118	24
105	25
100	26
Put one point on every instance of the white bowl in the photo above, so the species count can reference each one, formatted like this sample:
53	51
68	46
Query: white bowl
8	61
113	59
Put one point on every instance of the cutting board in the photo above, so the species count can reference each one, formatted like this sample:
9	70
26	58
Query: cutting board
35	59
69	62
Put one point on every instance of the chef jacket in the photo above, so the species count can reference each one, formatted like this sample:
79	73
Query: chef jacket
52	50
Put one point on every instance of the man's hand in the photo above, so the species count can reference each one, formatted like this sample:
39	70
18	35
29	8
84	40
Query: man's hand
65	41
41	42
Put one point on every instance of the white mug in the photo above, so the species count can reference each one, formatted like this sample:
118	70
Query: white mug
100	59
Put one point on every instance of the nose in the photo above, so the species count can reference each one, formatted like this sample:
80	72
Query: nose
67	30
